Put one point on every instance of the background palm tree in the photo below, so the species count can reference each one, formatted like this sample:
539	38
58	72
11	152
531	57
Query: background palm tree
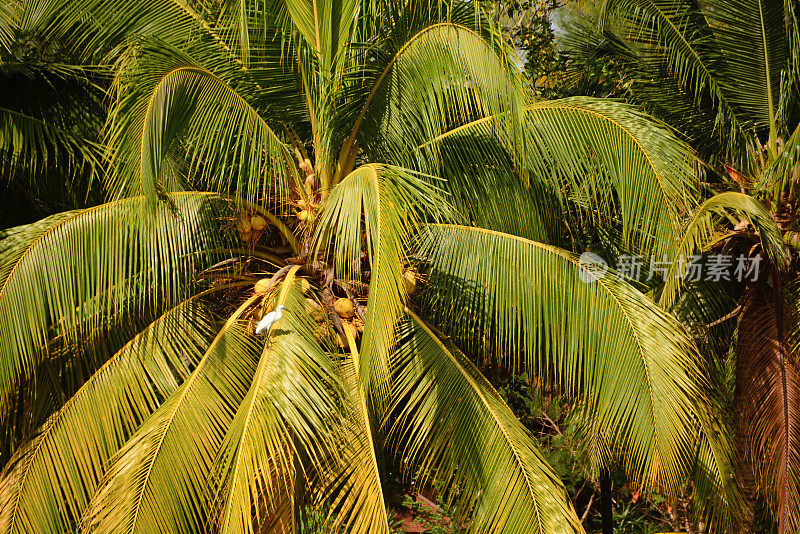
724	74
334	154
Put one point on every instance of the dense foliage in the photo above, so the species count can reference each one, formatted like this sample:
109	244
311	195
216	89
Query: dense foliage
389	174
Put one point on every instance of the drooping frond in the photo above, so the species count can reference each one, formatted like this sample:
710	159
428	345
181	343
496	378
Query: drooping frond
355	486
94	30
605	155
8	23
716	498
767	383
50	117
438	77
537	308
492	193
69	274
453	425
286	414
157	481
48	483
681	74
752	36
167	102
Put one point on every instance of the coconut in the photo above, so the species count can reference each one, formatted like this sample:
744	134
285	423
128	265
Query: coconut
344	307
261	286
409	281
303	215
243	226
258	223
246	236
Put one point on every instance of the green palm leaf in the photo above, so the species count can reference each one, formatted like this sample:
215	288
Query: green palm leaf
48	483
393	202
674	55
606	155
157	481
455	427
355	486
290	404
168	101
701	231
444	75
72	272
604	342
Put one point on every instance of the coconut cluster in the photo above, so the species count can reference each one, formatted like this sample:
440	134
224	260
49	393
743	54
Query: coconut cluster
250	227
305	206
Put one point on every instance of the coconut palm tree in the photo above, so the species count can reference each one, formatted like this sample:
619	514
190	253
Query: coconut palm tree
377	169
724	73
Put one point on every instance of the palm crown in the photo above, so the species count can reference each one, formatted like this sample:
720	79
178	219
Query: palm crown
394	153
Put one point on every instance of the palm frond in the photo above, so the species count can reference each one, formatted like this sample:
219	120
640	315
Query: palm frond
681	73
356	487
537	308
625	168
701	231
287	411
48	483
50	117
453	426
716	497
439	76
325	26
67	275
393	202
752	36
157	481
168	101
95	30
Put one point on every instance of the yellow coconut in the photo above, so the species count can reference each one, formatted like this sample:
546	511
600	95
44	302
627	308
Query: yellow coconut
261	286
344	307
303	215
258	223
410	281
243	226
